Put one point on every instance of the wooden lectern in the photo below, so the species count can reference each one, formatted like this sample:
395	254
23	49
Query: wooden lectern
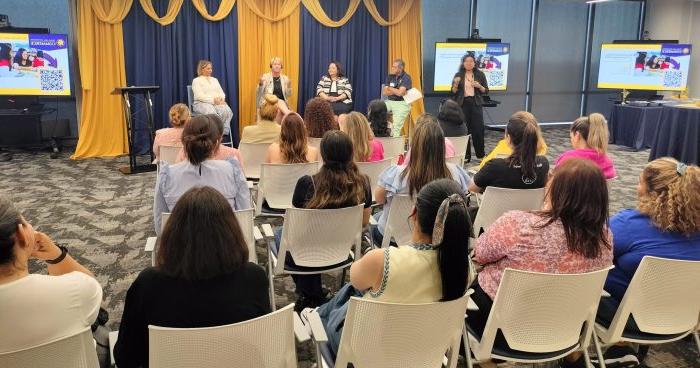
131	128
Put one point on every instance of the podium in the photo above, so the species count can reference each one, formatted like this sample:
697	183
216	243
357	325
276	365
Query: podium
131	126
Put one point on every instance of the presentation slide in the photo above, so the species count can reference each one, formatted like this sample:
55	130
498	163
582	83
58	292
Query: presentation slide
659	67
491	58
34	64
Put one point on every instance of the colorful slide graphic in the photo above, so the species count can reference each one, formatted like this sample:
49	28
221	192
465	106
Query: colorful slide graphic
491	58
659	67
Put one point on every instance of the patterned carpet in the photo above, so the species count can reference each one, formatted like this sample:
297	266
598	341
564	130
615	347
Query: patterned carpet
104	217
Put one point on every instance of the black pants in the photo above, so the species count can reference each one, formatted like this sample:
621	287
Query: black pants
474	116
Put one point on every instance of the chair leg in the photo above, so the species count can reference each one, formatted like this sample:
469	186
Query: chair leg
598	351
587	359
467	350
342	278
697	341
271	278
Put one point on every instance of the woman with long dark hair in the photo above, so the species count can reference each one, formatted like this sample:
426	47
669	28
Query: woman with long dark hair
337	184
468	87
523	168
335	88
22	59
293	144
433	268
202	277
378	118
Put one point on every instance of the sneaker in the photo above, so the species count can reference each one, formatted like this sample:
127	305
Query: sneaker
618	356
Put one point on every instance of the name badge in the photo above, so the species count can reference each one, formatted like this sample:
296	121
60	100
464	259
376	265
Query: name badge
392	84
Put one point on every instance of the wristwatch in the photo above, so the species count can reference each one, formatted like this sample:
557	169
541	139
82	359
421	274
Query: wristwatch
64	253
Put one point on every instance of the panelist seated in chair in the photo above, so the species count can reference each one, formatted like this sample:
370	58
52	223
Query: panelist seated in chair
569	235
202	277
179	115
266	130
209	97
292	147
433	268
335	88
200	139
38	309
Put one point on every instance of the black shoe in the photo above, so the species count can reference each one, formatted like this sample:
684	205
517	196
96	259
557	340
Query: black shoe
619	356
578	363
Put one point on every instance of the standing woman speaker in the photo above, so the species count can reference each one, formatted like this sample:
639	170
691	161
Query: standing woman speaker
468	87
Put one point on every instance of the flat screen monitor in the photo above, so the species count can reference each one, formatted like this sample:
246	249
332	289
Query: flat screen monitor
658	67
34	64
491	58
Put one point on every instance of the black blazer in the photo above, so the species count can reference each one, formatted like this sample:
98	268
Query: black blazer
480	77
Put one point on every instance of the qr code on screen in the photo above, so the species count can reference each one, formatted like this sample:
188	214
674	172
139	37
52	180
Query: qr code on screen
673	78
51	80
495	78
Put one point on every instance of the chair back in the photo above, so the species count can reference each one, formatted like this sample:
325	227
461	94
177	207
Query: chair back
380	334
266	341
460	143
397	221
456	159
190	98
277	182
316	143
246	222
373	170
543	312
253	155
169	153
393	146
75	351
320	237
663	297
497	201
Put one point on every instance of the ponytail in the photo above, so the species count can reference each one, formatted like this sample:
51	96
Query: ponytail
524	136
594	130
200	138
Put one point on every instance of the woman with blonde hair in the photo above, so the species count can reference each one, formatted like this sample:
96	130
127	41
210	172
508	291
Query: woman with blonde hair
365	147
292	146
209	97
179	115
503	149
666	224
266	130
274	82
589	137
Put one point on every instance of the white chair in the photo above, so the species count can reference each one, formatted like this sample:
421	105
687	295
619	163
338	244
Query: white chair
460	143
373	170
397	221
393	146
245	218
664	300
253	155
277	182
169	153
497	201
542	317
381	334
315	142
319	241
75	351
456	159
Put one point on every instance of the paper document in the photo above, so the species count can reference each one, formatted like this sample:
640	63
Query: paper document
412	95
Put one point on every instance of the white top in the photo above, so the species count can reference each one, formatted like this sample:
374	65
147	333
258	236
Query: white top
205	89
38	309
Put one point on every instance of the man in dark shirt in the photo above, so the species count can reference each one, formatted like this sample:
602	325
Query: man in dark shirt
397	85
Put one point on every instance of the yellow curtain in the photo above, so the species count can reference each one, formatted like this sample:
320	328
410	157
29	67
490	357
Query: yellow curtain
225	8
398	12
316	10
101	56
405	43
170	15
259	39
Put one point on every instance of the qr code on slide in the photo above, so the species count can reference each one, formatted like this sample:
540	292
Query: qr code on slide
51	80
673	78
495	78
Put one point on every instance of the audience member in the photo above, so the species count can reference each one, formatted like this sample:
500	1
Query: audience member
222	152
202	277
449	147
365	147
451	118
266	130
37	309
589	137
292	146
378	118
179	115
428	144
503	148
201	138
523	168
569	235
319	117
337	184
433	268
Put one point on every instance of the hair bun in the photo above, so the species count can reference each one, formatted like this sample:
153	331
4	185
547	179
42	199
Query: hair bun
271	99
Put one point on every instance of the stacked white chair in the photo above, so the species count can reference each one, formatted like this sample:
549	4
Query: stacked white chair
277	182
76	351
497	201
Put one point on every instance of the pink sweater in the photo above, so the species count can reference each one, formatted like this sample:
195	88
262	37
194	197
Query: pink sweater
167	137
377	150
602	160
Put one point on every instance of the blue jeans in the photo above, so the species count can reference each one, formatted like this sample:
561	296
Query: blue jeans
333	315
